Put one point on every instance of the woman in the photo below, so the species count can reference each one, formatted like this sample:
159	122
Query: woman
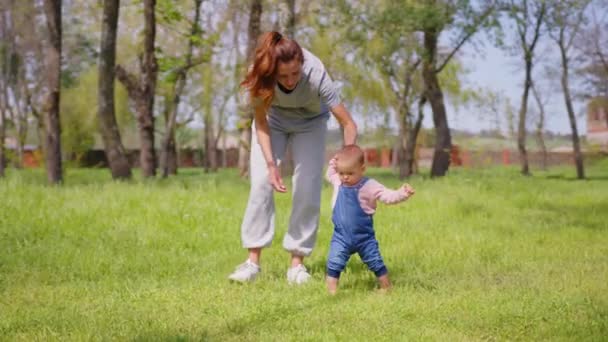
292	95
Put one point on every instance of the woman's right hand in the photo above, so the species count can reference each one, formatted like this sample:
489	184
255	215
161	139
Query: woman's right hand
274	177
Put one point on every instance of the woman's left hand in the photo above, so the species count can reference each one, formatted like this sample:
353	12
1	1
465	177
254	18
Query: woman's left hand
274	177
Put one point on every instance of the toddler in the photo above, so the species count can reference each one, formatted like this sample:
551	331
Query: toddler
354	203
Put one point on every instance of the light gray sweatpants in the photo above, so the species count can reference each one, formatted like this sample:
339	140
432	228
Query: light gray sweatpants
307	141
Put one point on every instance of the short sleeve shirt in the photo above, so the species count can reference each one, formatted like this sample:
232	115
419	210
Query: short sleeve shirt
314	94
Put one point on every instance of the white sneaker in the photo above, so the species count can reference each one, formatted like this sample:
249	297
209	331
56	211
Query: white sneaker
245	272
298	275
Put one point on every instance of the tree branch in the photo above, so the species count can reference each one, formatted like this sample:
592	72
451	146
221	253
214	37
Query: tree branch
127	79
469	34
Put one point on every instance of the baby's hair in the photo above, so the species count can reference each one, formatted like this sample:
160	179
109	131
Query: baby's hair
351	154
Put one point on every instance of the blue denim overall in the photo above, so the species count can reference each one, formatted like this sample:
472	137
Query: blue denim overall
353	233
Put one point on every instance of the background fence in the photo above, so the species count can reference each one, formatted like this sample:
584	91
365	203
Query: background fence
375	157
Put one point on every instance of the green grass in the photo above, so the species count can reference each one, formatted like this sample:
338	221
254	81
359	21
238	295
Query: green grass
477	255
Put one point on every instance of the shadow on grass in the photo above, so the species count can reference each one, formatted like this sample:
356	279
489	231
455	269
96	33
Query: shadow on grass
573	178
75	177
578	215
250	323
168	337
360	277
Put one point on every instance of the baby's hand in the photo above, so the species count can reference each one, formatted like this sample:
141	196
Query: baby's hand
409	191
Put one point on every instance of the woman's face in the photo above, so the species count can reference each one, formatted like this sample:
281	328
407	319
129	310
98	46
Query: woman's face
289	73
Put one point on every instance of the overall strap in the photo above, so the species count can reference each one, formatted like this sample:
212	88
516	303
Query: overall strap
361	183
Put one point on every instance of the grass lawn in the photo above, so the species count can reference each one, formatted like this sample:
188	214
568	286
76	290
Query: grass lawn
475	255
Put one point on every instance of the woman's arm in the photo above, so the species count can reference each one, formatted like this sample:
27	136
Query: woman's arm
263	135
347	123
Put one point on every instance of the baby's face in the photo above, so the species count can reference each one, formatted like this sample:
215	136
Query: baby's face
350	174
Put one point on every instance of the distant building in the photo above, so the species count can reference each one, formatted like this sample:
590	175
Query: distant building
597	122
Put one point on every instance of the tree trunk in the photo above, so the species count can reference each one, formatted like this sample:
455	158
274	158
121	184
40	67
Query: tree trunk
224	154
540	139
147	154
291	19
406	143
22	111
52	10
253	31
578	156
404	136
149	71
39	122
20	118
168	141
210	146
21	127
528	51
14	84
521	129
172	150
168	147
3	101
2	137
141	92
409	164
110	133
173	157
3	120
433	93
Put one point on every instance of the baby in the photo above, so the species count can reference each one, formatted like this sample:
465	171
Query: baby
354	203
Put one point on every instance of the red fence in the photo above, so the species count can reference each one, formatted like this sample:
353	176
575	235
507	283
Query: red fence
382	157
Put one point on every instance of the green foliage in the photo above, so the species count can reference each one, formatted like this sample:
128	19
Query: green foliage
167	12
79	123
476	255
78	115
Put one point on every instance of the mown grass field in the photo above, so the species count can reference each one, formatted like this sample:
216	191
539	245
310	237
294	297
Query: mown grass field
477	255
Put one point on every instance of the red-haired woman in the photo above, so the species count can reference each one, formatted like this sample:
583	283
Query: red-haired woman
292	96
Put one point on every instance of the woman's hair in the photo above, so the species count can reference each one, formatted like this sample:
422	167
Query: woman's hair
273	48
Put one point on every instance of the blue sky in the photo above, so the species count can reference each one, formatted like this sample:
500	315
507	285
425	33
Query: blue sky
495	69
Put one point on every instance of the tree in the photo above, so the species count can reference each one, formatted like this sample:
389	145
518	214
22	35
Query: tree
529	17
593	47
4	71
436	16
564	21
286	18
244	125
429	19
380	56
2	138
141	89
490	103
179	81
396	50
52	9
14	49
115	152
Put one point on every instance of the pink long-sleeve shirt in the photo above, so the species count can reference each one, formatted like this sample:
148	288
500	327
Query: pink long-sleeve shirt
369	194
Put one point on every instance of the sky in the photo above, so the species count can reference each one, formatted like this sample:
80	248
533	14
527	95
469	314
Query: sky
500	71
495	69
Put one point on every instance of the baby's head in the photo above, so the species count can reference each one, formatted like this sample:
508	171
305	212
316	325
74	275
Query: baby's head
350	164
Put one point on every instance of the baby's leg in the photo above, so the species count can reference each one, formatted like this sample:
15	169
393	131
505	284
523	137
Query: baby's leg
336	262
332	284
370	255
384	282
